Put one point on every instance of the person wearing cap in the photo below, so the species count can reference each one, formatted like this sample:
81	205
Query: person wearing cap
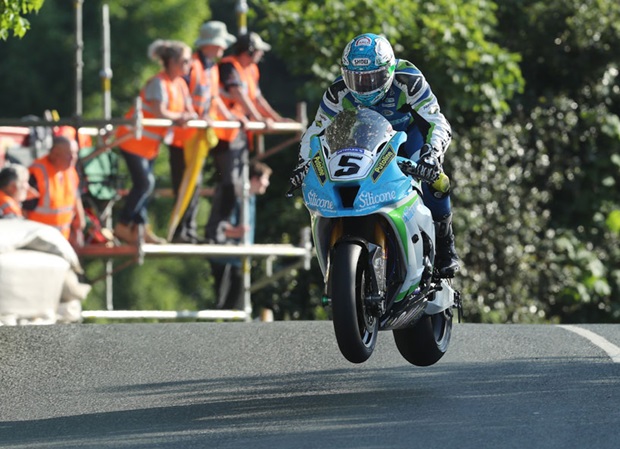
14	189
240	91
204	87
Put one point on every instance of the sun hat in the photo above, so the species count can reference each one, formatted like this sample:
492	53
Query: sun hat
215	33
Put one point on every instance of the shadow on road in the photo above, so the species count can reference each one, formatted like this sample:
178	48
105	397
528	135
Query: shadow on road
559	401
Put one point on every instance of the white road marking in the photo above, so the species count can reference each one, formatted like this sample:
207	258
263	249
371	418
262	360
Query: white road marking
612	350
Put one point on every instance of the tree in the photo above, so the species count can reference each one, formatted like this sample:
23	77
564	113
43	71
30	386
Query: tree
452	42
38	77
11	16
537	192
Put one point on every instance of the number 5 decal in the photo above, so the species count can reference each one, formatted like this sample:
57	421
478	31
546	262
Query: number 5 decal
350	167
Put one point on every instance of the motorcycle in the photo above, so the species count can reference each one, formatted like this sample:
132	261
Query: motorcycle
375	241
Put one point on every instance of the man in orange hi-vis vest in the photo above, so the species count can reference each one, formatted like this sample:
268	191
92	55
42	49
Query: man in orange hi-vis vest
55	177
239	88
14	190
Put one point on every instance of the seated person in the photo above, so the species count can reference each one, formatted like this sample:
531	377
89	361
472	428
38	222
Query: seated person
14	189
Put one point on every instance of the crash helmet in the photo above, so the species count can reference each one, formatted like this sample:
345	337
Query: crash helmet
368	66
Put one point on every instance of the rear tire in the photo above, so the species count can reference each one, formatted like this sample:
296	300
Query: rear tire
356	331
427	341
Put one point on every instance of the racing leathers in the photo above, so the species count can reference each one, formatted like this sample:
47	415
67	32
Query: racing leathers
410	106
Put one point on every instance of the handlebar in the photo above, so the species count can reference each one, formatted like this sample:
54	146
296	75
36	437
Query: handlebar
407	166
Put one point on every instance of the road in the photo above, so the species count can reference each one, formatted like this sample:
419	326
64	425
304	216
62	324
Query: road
285	385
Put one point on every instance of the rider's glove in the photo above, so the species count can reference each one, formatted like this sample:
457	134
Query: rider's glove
299	173
428	167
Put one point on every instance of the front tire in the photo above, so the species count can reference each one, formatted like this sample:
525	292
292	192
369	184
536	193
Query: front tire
356	331
427	341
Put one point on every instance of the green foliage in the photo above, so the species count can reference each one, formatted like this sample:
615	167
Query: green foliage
50	67
536	196
11	16
531	88
450	41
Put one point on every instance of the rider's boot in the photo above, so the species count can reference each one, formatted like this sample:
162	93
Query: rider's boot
446	260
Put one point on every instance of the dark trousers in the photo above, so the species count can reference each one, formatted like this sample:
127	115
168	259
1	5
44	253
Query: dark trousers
187	224
143	183
228	158
228	285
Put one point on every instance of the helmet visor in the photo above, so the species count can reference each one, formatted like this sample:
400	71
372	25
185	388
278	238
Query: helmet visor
363	82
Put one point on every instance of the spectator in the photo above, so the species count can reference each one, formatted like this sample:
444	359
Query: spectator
55	178
165	96
239	76
14	189
203	80
228	273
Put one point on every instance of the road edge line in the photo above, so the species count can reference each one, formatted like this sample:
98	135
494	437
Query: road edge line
612	350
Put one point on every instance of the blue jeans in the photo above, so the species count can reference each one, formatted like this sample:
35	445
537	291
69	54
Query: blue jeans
143	184
438	203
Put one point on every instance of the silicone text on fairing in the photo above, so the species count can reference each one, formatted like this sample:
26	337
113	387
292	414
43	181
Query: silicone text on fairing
315	200
367	199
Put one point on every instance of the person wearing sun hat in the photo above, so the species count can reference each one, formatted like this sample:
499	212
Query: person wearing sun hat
239	77
203	81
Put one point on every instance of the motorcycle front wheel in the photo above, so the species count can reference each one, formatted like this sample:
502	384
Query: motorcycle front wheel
356	331
427	341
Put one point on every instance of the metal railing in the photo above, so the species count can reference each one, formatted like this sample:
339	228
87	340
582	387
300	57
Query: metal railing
137	253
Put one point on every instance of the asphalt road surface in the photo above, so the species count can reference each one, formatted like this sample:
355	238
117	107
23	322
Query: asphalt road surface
285	385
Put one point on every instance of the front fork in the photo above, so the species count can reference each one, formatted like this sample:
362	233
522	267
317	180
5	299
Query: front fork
376	289
375	282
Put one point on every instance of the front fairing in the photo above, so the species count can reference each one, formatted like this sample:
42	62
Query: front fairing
353	182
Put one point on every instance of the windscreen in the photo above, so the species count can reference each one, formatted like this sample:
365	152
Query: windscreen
357	128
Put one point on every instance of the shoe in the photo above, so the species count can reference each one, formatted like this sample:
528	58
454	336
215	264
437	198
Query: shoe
446	260
183	239
126	232
196	239
150	237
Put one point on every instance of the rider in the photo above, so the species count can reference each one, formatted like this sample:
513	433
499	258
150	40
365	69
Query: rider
373	78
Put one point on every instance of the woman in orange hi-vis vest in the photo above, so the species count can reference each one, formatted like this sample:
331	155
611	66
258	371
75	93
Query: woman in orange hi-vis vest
204	87
165	96
239	76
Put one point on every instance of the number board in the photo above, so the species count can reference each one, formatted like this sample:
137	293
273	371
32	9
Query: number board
350	163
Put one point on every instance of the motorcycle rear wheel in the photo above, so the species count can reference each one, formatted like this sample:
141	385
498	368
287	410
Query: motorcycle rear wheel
427	341
356	331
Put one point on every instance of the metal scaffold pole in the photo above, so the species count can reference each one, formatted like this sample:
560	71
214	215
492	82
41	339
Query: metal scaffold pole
106	84
106	71
79	62
246	261
242	17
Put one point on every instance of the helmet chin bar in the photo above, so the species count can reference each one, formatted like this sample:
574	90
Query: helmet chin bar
369	98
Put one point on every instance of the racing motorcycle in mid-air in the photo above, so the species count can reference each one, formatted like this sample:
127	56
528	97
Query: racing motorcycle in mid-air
375	241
